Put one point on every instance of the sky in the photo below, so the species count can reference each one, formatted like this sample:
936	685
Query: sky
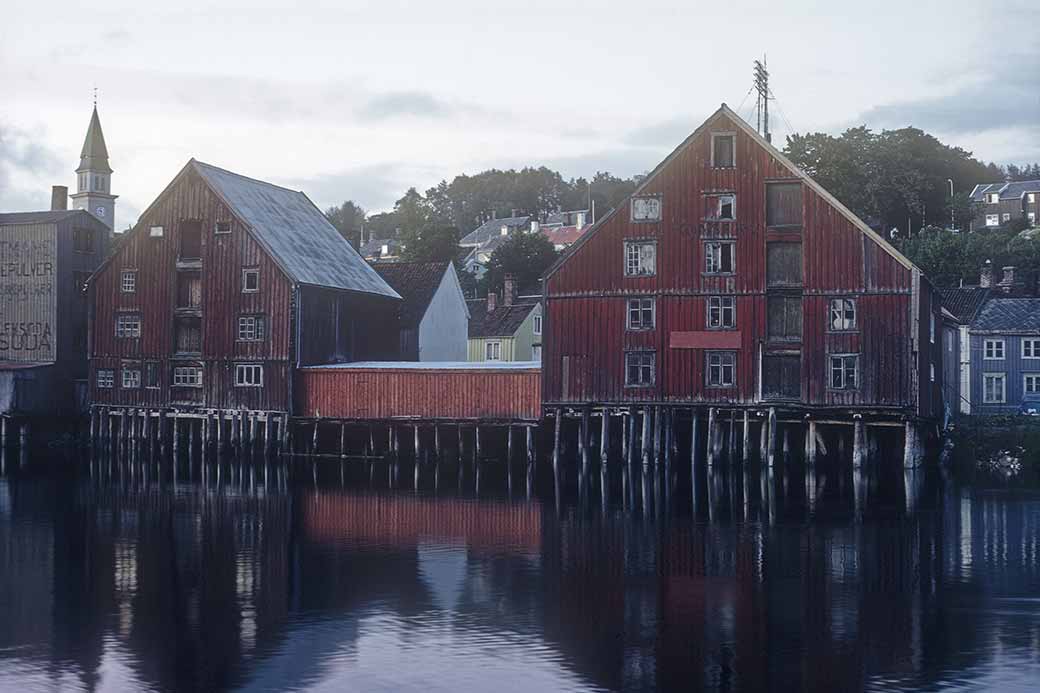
361	100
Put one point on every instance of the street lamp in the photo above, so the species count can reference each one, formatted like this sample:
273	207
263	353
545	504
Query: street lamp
952	222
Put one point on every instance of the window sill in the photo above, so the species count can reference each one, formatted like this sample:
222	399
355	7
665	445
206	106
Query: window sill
718	274
189	263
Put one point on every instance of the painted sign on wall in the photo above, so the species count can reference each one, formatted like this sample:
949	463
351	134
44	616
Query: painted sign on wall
28	293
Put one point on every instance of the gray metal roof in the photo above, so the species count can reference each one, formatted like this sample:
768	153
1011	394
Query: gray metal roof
964	302
298	236
48	217
493	227
1007	191
1020	315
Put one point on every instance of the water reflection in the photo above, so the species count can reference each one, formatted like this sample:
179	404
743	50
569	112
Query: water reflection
224	575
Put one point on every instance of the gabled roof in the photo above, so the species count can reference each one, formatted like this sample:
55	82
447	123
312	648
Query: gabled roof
416	282
1007	191
504	321
374	247
94	155
47	217
964	302
563	235
1014	315
493	227
566	218
299	238
776	154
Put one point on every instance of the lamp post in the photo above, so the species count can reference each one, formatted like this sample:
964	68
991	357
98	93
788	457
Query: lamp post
952	222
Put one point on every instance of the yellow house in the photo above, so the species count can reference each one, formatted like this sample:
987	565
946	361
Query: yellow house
511	331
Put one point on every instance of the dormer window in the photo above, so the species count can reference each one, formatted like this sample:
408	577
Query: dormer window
723	149
992	198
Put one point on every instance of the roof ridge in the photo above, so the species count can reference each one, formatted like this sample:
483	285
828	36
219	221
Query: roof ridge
249	178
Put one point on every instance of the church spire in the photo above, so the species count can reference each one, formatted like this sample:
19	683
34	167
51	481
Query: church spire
94	176
94	156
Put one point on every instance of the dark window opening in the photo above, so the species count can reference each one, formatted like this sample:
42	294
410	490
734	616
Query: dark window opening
222	227
784	204
782	377
190	240
783	264
719	257
151	374
784	318
250	280
189	290
188	335
722	151
83	240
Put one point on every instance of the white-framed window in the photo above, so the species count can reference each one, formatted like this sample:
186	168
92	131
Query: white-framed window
719	257
641	314
992	220
536	352
1031	216
128	325
722	207
250	280
249	375
640	258
131	376
1030	348
723	149
994	388
844	371
646	208
993	349
128	281
1006	216
106	378
722	368
187	376
155	231
493	351
1031	198
639	368
222	227
842	314
722	312
1031	384
992	198
252	328
536	326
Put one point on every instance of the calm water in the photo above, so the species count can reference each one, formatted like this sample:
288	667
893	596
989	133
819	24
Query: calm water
121	576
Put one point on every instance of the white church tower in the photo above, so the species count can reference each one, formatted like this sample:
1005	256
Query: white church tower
94	176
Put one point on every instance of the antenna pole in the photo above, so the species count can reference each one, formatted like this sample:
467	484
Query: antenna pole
762	104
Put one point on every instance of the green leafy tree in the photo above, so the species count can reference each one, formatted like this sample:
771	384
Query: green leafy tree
526	256
433	243
949	259
348	218
382	225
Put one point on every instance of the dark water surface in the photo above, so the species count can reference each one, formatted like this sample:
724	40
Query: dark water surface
256	577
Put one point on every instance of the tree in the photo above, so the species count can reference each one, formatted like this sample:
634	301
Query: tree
948	258
962	209
412	214
348	218
433	243
526	256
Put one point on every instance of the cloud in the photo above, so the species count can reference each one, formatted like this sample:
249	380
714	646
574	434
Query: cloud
23	157
375	187
667	133
404	103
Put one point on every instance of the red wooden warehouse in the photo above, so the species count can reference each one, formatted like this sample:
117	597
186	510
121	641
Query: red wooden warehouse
731	280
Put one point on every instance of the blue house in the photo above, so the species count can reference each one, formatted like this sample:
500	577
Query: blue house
1004	367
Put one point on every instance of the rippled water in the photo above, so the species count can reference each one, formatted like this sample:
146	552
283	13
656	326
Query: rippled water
117	576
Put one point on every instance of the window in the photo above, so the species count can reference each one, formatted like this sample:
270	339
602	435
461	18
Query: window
106	378
640	313
1031	198
83	240
187	335
151	374
1007	216
187	376
128	325
155	232
640	258
993	198
1031	348
842	314
783	204
639	368
844	372
719	257
782	376
722	313
783	264
536	352
993	349
128	282
493	351
131	375
1031	216
721	207
992	220
251	328
190	240
784	318
646	208
722	368
536	326
1031	384
249	375
189	289
723	145
250	280
994	388
222	227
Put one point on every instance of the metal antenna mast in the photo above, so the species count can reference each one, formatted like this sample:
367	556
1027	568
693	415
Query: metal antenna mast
762	104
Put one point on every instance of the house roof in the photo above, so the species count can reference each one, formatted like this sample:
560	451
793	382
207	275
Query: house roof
964	302
297	235
563	235
94	155
374	247
566	218
1009	315
416	282
491	228
43	217
504	321
1008	191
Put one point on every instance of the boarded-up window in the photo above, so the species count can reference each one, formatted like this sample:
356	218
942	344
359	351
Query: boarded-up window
189	290
190	240
781	376
784	264
784	319
722	150
784	204
188	335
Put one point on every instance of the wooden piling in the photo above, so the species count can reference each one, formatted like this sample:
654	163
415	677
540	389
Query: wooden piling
176	437
657	434
556	437
859	442
437	441
646	437
253	430
746	456
773	432
478	451
509	445
314	439
712	436
529	443
342	438
604	437
23	436
913	449
695	424
93	427
630	425
583	438
732	453
763	441
191	436
415	441
811	450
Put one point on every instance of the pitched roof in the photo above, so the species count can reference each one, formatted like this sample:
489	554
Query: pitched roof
48	217
491	228
94	155
374	247
563	235
964	302
1020	315
1007	191
566	218
501	322
416	282
299	238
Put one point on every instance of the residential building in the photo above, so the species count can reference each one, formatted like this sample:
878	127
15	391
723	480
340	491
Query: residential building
960	306
434	320
731	278
381	250
223	288
1005	356
510	330
1002	203
560	228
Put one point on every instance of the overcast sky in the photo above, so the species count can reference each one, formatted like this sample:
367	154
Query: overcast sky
346	99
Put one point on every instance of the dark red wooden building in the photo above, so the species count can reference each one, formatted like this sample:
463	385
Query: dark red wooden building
224	287
730	278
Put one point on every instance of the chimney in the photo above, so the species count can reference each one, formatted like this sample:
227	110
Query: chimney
504	230
508	290
1008	282
580	224
986	276
492	301
59	198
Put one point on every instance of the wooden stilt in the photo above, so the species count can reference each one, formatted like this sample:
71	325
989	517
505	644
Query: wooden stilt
529	443
23	436
631	435
342	438
712	436
191	436
254	422
913	451
460	442
176	437
695	424
93	425
646	437
810	443
390	439
437	441
478	451
746	456
583	438
657	434
604	437
859	442
787	443
773	432
220	432
509	445
557	425
314	439
371	440
732	453
763	441
415	441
